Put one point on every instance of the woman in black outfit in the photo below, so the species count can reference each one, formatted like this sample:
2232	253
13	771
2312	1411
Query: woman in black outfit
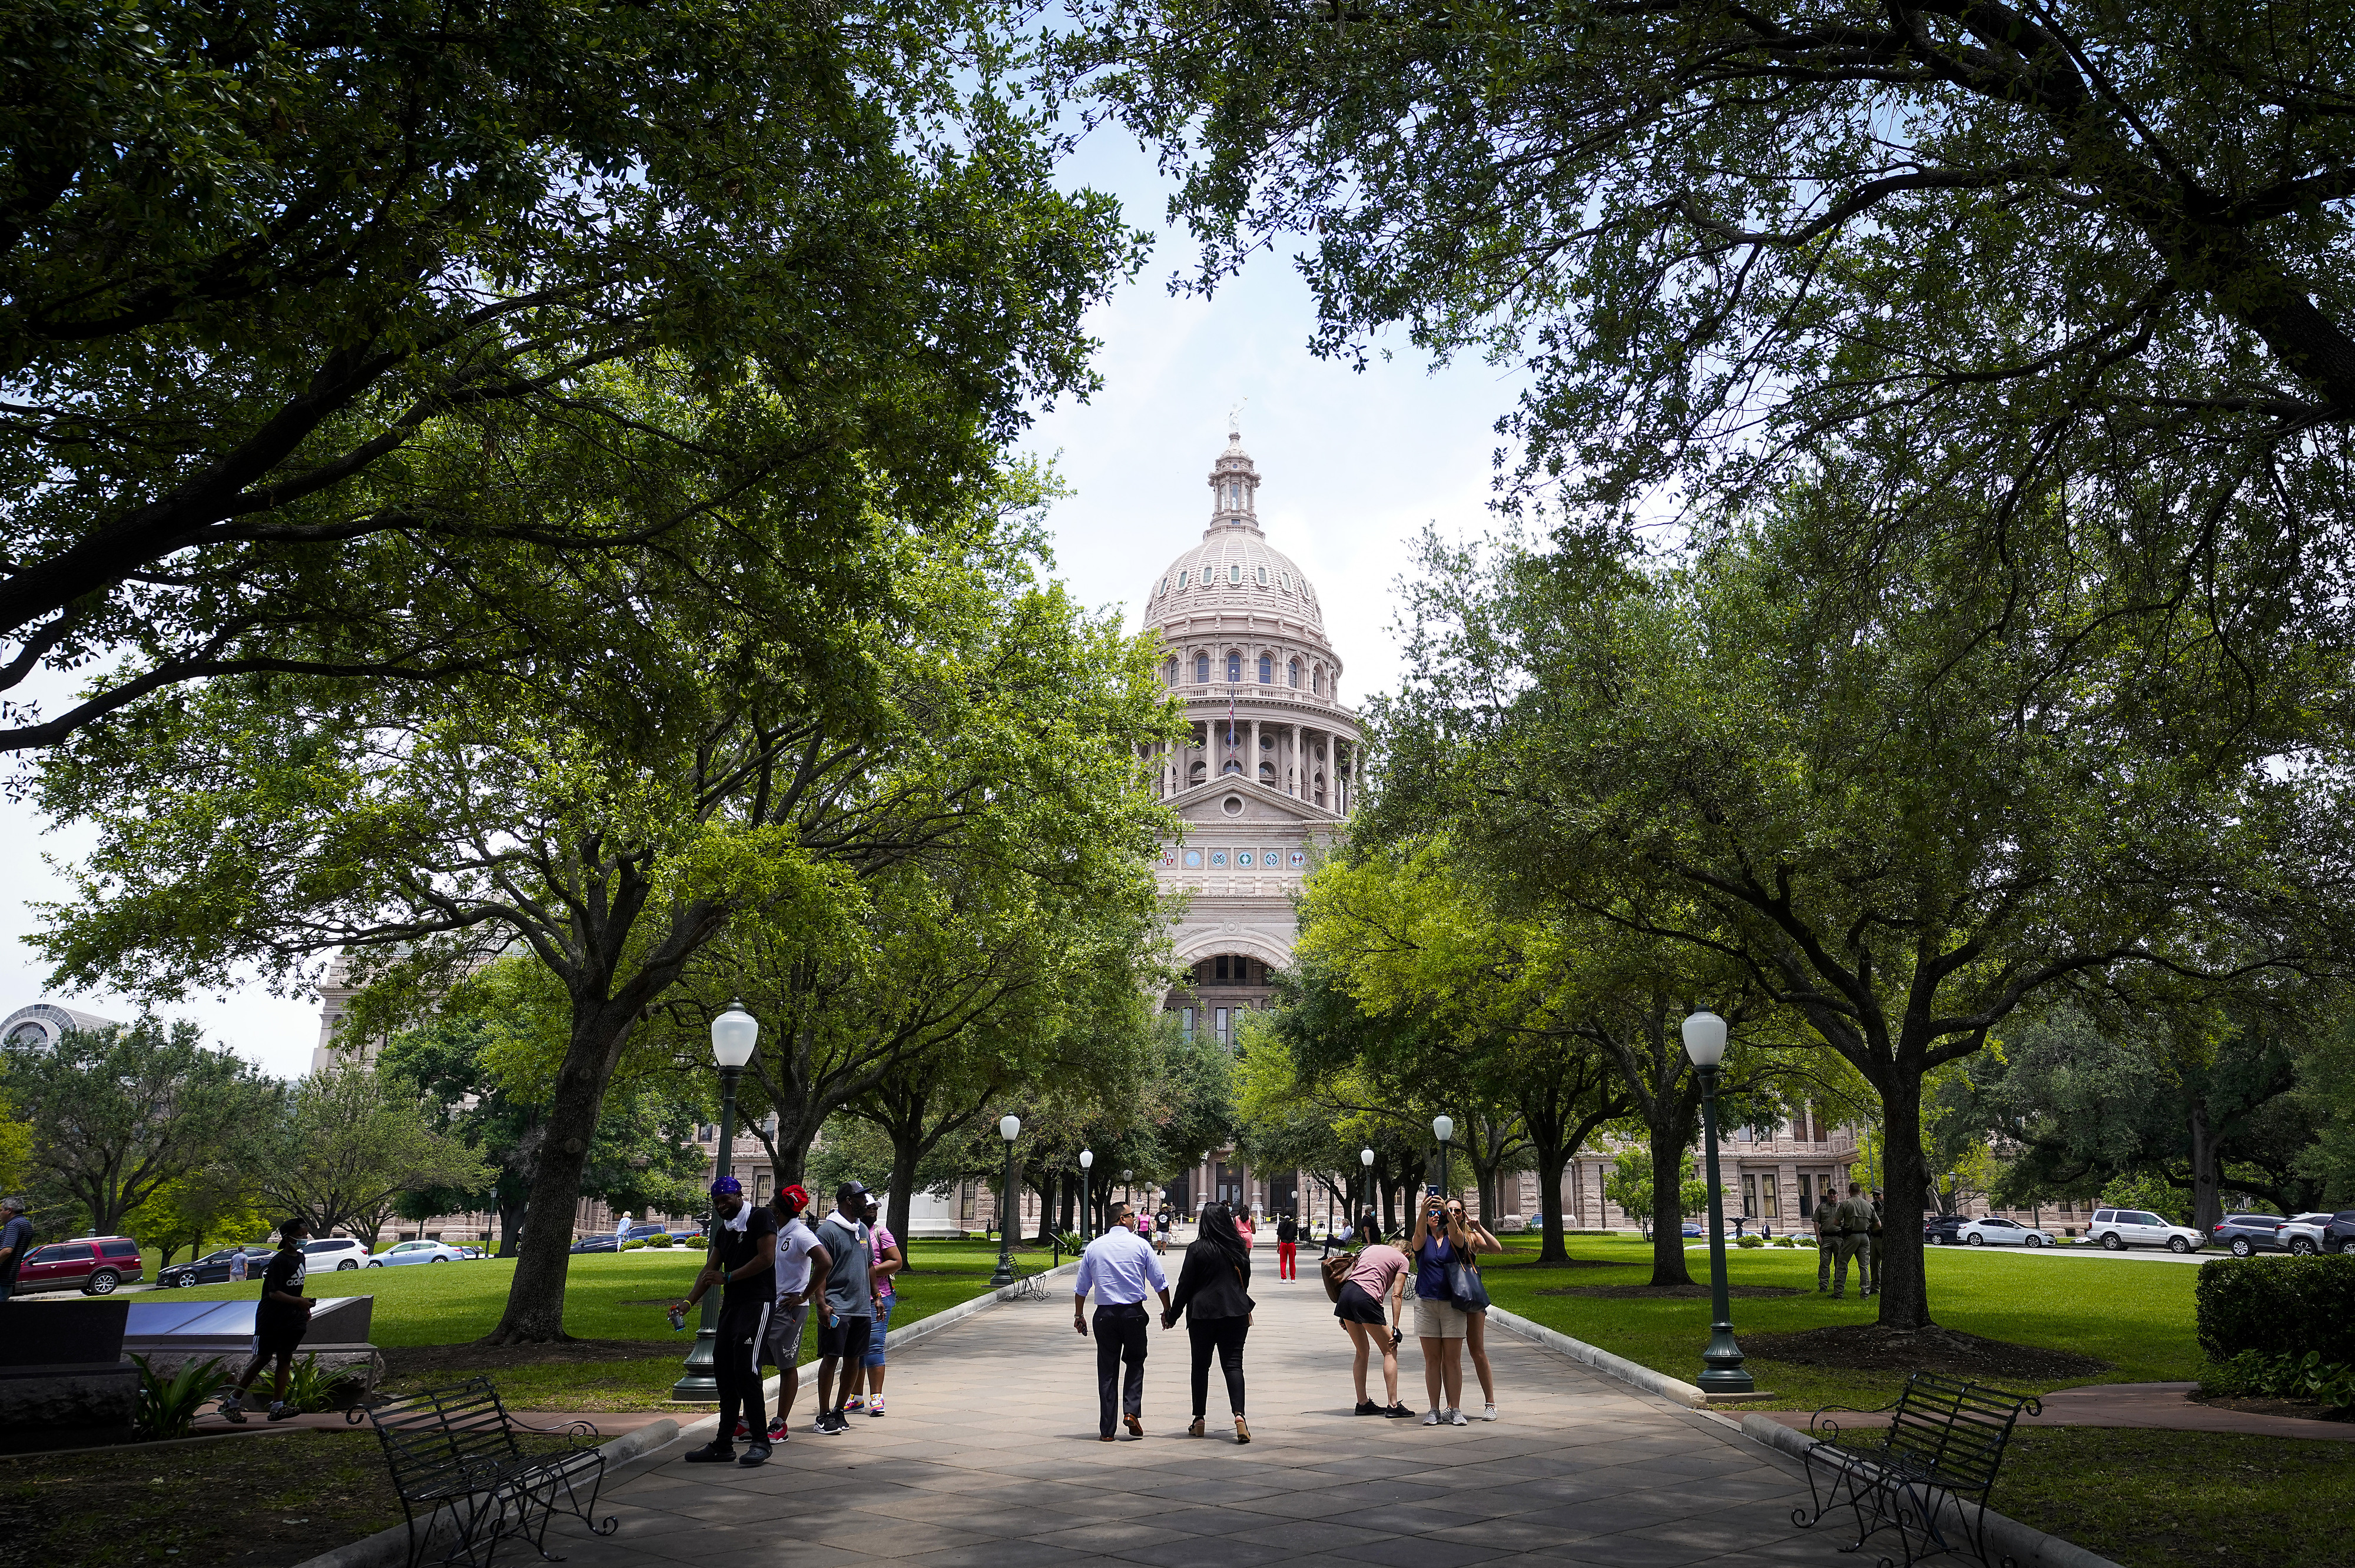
1212	1292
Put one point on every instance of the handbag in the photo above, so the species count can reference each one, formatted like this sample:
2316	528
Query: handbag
1336	1272
1465	1291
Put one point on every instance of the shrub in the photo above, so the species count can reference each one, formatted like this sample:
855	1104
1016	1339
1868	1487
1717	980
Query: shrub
2330	1383
168	1406
1750	1241
312	1389
1782	1241
2279	1306
1803	1241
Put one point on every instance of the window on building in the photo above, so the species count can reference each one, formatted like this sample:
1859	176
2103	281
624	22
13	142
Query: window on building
1316	680
1262	577
1183	577
1234	667
1267	669
1750	1196
1296	675
1220	1026
1169	671
1767	1207
1185	1022
1202	669
1806	1195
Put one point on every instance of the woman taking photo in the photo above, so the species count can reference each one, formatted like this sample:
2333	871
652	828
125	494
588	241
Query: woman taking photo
1439	1243
1213	1292
1475	1322
1377	1280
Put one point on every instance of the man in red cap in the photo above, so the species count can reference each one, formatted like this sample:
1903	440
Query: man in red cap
802	1264
743	1268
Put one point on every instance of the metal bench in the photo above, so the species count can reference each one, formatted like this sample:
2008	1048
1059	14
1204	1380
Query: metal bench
456	1450
1929	1477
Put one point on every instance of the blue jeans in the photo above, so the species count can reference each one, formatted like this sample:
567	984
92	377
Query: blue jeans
874	1357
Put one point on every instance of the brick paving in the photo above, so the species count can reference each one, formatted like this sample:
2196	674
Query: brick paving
989	1458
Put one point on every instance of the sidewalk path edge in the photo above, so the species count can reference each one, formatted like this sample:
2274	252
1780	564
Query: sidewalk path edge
642	1449
390	1544
2029	1547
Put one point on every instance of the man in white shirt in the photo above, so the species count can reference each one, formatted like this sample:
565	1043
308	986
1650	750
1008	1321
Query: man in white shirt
800	1259
1118	1267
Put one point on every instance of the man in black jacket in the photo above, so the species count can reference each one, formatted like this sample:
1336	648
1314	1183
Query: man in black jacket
1287	1247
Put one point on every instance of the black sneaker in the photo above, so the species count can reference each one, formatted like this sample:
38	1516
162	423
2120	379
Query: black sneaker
1368	1407
715	1452
835	1424
1399	1413
758	1453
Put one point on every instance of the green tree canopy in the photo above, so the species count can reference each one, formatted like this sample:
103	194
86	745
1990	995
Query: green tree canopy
293	299
351	1139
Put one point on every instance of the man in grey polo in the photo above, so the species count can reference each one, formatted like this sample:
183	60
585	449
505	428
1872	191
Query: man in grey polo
1119	1267
847	1306
15	1241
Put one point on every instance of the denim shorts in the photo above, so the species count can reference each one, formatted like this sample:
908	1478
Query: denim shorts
874	1357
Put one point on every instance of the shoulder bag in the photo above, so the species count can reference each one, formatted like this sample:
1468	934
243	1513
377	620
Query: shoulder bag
1336	1272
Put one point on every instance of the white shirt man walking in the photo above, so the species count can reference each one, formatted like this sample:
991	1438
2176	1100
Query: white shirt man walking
1120	1267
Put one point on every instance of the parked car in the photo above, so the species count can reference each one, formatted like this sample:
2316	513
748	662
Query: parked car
91	1265
2302	1234
2246	1234
414	1252
1695	1228
213	1267
1945	1230
472	1253
335	1252
1997	1231
2339	1234
595	1244
2118	1229
647	1232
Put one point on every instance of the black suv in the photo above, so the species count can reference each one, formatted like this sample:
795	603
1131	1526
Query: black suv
1947	1230
2339	1235
213	1267
2246	1234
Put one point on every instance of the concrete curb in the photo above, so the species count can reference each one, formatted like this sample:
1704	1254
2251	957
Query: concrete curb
2027	1546
390	1546
1601	1360
2024	1545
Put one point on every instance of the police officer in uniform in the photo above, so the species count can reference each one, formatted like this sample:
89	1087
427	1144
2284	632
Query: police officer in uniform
1854	1219
1872	1253
1827	1240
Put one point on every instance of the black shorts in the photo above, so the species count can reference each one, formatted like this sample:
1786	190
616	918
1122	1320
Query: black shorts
1356	1306
845	1337
271	1341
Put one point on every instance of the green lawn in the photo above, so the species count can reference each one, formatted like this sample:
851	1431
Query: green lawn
610	1297
2136	1316
2155	1500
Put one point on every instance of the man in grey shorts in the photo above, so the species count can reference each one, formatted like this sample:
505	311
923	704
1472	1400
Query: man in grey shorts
800	1260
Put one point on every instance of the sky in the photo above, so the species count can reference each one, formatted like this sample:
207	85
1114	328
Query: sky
1353	466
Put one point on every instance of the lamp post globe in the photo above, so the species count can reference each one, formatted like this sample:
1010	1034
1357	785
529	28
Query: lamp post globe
735	1033
1722	1370
1442	1127
1009	1128
1366	1158
1087	1214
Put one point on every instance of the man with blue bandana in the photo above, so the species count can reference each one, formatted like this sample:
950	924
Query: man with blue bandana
742	1265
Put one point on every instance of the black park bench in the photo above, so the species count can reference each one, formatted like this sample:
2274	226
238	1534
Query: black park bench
1929	1477
456	1450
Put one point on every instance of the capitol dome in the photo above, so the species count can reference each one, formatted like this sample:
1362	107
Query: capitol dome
1236	611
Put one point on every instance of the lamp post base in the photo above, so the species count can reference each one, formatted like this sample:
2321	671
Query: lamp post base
698	1385
1723	1372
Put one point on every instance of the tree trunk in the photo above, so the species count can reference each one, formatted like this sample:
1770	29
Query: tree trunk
511	1212
535	1309
1668	1265
1552	1157
1905	1284
2206	1193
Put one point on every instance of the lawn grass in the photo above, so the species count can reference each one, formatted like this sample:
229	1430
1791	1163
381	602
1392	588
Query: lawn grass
610	1297
232	1502
2136	1316
2155	1500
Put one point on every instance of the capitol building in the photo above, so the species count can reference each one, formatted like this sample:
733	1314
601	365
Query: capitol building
1266	775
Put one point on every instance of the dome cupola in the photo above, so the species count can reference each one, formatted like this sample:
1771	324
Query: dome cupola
1234	489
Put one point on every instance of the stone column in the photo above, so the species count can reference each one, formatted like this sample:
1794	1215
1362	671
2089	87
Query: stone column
1251	752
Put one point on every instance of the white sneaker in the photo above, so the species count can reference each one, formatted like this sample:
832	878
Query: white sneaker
1455	1418
1432	1418
1489	1413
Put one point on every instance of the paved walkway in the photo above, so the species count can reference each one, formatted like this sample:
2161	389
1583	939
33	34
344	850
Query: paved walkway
989	1458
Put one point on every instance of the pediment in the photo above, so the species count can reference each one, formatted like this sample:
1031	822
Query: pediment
1204	806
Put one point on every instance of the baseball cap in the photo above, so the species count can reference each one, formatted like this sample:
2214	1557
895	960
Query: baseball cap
797	1195
848	1191
726	1185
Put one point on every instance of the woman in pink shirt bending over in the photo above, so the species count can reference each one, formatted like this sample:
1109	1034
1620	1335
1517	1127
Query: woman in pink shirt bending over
1376	1280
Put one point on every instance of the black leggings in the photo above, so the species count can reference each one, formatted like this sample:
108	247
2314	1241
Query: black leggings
736	1366
1227	1334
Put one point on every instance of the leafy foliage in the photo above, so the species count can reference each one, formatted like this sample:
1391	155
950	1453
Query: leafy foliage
353	1139
168	1407
2279	1306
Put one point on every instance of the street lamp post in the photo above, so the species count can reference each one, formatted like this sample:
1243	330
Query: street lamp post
1366	1158
1442	1127
1722	1371
1009	1128
1087	1215
734	1034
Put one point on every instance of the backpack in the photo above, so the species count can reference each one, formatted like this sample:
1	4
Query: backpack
1334	1271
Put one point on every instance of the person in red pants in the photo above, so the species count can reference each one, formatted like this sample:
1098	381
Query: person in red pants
1287	1247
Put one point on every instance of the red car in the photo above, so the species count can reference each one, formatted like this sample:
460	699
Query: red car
92	1265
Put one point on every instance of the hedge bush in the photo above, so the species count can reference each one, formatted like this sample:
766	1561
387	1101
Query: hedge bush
2280	1306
